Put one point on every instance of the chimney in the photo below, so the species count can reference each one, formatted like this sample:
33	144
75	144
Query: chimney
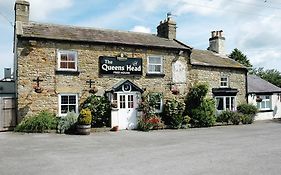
22	11
167	28
7	73
217	42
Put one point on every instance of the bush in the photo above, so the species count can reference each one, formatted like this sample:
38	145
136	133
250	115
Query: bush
247	119
224	116
154	122
173	114
42	122
85	117
235	118
67	124
248	109
200	110
100	109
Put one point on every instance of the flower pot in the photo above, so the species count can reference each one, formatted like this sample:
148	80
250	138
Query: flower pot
83	129
115	128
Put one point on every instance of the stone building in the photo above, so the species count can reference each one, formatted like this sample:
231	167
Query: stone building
57	66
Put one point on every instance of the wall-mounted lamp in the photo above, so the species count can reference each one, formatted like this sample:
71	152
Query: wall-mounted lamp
121	57
37	87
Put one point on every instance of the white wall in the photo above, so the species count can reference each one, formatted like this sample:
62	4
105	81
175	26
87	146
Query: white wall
276	107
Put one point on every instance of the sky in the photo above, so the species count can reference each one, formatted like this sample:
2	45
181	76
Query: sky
252	26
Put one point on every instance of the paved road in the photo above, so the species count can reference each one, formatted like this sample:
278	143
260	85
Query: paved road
252	149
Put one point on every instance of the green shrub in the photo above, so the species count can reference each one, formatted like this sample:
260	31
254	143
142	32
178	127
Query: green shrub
224	116
235	118
100	109
173	114
248	109
42	122
200	110
247	119
85	117
67	124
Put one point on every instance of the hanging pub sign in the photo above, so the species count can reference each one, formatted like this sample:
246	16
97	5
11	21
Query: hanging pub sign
124	66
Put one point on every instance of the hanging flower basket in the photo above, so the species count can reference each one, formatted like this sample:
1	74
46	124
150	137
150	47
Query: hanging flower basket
258	99
114	105
38	89
93	90
175	90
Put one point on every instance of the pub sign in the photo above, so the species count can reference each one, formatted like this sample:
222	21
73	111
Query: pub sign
114	66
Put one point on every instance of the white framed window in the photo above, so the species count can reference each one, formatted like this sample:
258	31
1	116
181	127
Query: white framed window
224	81
155	64
224	103
265	104
67	60
68	103
159	102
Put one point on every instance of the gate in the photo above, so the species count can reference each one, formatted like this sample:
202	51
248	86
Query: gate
7	113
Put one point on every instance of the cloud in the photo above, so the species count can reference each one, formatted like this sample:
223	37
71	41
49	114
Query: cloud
42	10
141	29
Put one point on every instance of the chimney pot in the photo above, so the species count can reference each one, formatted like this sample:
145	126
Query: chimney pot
216	42
167	28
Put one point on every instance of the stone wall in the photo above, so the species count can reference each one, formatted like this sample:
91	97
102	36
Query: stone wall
39	59
211	76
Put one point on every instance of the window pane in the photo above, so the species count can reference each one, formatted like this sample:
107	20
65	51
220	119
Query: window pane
219	103
64	109
122	102
71	57
157	68
72	108
151	68
154	60
64	99
232	104
63	57
63	65
71	65
227	101
72	99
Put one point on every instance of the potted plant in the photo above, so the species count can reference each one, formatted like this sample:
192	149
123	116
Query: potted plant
84	122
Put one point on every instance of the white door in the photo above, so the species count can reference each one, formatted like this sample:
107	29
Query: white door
127	113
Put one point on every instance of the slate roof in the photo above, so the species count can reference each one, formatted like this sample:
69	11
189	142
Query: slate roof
259	85
209	58
73	33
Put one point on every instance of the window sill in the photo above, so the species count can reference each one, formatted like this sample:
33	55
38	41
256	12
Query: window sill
266	110
155	75
67	72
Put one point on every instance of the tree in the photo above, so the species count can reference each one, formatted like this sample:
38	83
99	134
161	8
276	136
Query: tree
238	56
271	75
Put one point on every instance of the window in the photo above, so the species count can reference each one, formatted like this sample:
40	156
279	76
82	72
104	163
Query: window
155	65
68	103
225	103
224	82
265	104
67	60
159	101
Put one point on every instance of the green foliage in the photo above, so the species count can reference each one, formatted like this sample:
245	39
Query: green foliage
42	122
85	117
247	119
67	123
200	110
173	114
235	118
238	56
149	119
100	109
224	116
248	109
271	75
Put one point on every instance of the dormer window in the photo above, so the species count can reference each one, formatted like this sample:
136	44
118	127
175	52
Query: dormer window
224	82
67	60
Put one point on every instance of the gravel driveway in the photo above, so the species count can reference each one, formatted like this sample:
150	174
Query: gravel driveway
244	149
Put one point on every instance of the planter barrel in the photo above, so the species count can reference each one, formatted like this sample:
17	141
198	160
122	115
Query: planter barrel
84	129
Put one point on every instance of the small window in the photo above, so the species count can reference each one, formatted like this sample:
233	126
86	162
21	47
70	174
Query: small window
265	104
224	82
155	64
67	60
159	101
68	103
